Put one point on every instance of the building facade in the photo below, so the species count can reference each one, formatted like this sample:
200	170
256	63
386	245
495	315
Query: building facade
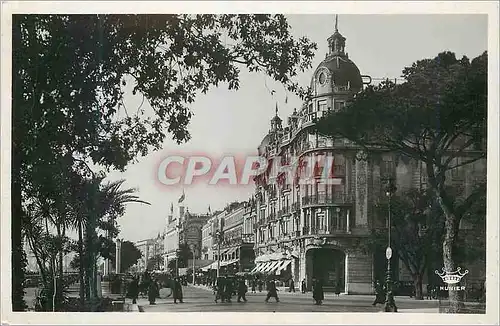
190	232
150	248
305	230
172	233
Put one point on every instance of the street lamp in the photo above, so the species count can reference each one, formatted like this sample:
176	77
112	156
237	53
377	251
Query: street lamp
390	305
218	235
193	249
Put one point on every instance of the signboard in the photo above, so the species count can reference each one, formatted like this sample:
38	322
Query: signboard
388	253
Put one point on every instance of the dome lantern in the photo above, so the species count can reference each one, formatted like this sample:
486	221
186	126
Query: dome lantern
336	42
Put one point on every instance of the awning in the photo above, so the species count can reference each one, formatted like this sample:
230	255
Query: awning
272	266
284	264
261	266
229	262
230	251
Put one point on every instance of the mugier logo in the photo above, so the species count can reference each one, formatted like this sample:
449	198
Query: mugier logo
451	278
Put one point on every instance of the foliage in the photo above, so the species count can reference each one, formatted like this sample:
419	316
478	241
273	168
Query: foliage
72	72
155	262
184	255
130	255
417	226
438	116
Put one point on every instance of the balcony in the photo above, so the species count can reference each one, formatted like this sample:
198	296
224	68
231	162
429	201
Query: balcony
323	199
295	206
285	210
271	218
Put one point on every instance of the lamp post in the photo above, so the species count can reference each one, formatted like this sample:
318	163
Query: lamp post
218	235
390	305
193	249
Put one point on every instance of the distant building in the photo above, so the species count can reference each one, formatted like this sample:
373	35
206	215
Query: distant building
149	249
190	231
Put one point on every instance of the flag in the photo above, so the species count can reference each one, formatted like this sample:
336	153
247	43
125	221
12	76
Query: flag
172	208
209	210
183	196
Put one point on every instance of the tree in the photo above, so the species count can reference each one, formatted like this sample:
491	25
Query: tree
70	74
438	117
130	255
184	254
155	262
417	226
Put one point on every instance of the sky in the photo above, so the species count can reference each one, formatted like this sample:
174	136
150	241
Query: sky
234	122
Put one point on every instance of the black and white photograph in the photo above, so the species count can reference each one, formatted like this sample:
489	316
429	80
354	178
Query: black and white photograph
322	158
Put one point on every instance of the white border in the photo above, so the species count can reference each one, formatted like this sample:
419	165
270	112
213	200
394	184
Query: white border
310	7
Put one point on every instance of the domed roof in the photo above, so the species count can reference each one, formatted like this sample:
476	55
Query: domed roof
265	142
344	72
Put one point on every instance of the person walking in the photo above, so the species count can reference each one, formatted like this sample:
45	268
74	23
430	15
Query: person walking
379	293
337	288
260	285
219	289
318	293
177	290
303	286
133	289
228	289
153	292
291	287
272	291
242	290
253	285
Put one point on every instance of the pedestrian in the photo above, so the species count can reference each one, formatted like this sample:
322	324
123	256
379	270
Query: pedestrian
253	285
260	285
219	289
228	289
133	289
177	290
152	292
242	290
272	291
303	286
291	287
318	294
379	293
337	288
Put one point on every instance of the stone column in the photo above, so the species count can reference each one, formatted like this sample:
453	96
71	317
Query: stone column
359	273
361	182
118	255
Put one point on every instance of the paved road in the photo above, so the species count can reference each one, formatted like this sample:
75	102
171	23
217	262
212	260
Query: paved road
198	299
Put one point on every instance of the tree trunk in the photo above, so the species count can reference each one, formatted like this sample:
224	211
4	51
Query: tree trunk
417	279
81	270
448	259
18	257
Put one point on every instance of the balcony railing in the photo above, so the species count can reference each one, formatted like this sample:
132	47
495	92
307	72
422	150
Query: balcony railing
323	199
295	206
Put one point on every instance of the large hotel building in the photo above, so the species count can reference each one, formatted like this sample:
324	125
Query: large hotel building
315	230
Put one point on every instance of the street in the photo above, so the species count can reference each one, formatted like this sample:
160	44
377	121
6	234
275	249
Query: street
200	299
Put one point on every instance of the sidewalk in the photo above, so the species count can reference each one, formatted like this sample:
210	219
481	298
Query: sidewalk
342	296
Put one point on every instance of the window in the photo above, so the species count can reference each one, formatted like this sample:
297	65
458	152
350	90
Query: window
339	105
322	106
387	168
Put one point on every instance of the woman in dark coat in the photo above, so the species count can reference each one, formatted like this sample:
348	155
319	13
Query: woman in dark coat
379	294
337	288
177	290
228	290
253	285
133	290
153	292
272	291
303	286
318	294
219	289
